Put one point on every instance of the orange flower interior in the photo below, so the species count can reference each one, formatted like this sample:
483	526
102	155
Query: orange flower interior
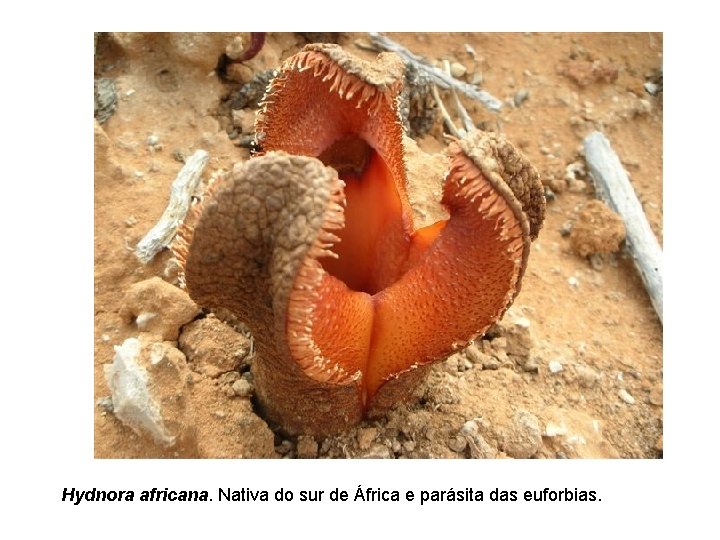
388	298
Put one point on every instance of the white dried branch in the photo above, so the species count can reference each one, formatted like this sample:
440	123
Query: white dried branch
438	76
181	192
613	186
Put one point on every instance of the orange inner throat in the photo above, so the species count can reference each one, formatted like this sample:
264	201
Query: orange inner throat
376	249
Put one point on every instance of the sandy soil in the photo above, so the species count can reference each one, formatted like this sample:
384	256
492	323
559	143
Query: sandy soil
573	370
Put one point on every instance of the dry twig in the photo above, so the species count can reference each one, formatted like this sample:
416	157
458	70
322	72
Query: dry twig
612	184
438	76
181	191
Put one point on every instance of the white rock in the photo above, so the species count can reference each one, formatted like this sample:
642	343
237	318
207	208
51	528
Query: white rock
522	322
555	366
242	388
573	282
148	380
143	319
132	402
554	430
626	397
457	69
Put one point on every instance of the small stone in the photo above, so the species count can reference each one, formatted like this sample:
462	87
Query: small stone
651	88
105	338
477	78
377	451
457	70
491	363
479	447
520	97
524	438
626	397
409	446
173	307
131	221
242	388
106	404
554	430
143	320
365	437
235	48
555	366
153	140
597	261
531	365
587	376
573	282
284	447
597	230
211	342
307	448
473	354
458	444
566	228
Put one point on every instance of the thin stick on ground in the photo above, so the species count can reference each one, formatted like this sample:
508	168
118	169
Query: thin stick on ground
613	185
438	76
181	191
464	116
443	111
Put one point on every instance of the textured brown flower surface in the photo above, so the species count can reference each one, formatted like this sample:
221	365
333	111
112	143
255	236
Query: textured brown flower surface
313	244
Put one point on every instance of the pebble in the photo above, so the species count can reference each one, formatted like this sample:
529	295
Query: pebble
524	438
458	444
587	376
479	447
520	97
457	70
409	446
473	354
531	365
106	404
365	437
554	430
284	447
235	48
651	88
378	451
626	397
597	261
491	363
566	228
307	448
554	366
153	140
573	282
143	320
105	338
477	78
242	388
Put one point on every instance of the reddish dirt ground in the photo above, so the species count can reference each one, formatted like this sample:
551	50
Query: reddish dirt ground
576	367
